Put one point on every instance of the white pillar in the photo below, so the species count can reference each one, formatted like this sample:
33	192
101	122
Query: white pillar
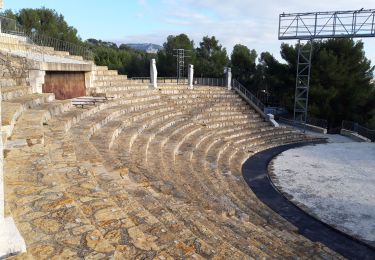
36	79
229	78
191	76
153	74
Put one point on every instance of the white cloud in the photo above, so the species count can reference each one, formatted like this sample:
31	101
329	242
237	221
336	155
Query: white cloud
249	22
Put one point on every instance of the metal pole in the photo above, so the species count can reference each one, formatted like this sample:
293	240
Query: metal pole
302	82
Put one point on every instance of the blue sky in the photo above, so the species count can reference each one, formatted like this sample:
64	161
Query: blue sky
249	22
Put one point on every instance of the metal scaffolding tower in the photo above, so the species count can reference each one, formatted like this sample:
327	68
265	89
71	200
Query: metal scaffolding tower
302	80
180	56
305	27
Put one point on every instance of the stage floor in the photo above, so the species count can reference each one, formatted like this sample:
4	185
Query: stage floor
334	182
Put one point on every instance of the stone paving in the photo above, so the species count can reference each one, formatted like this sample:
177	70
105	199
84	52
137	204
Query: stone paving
151	174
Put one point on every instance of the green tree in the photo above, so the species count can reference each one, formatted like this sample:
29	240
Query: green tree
166	61
340	87
47	22
243	63
211	58
273	81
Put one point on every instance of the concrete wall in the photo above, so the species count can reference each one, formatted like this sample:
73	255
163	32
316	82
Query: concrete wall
65	84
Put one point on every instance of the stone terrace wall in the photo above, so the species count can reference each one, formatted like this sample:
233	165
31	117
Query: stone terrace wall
13	70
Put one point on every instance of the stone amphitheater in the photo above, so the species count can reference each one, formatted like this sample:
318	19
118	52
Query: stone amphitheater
152	173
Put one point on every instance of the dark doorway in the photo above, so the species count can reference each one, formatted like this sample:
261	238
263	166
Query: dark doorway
65	84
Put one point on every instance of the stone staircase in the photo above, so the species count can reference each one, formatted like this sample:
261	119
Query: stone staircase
151	174
19	45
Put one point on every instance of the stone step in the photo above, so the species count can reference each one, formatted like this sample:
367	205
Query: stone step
97	68
56	107
155	229
33	100
10	112
185	218
7	82
40	196
131	93
106	72
185	171
74	57
87	185
187	91
110	78
8	93
76	114
88	126
13	109
159	169
28	130
210	96
151	173
121	88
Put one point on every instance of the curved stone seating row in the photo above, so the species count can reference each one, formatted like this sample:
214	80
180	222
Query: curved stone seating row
122	150
160	170
20	46
26	109
87	213
152	173
80	146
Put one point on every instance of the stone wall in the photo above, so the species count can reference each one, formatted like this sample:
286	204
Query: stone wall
13	71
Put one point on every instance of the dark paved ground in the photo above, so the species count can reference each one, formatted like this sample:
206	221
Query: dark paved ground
255	172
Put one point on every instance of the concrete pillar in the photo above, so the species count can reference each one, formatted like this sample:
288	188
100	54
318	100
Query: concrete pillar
228	72
271	118
153	74
36	79
191	76
11	241
89	82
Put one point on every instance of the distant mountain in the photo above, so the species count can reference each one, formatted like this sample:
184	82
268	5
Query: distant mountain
147	47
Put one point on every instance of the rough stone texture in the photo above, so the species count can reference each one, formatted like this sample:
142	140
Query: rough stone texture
151	174
13	70
11	241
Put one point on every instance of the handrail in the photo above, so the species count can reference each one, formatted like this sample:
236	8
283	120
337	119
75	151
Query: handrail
253	100
159	79
317	122
218	82
312	124
361	130
11	27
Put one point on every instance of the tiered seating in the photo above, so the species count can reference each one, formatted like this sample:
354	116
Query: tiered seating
149	174
19	45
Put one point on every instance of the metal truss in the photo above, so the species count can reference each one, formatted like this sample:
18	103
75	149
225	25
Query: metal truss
180	55
301	100
305	27
320	25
